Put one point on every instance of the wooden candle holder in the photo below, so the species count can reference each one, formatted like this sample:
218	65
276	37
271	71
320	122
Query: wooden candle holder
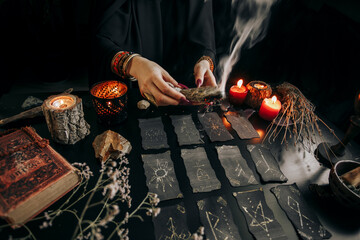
257	92
65	118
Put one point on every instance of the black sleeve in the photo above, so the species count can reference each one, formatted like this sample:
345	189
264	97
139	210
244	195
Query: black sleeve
110	27
201	32
125	25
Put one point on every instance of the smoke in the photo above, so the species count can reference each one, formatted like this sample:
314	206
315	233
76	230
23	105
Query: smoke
252	18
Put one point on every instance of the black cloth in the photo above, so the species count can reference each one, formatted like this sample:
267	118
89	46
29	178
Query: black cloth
173	33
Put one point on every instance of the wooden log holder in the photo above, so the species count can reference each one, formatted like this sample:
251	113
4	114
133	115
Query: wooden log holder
65	118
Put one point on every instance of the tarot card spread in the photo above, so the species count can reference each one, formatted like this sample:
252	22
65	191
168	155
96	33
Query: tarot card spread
185	130
259	217
217	219
266	164
214	127
153	134
242	126
304	220
202	176
236	168
160	176
171	223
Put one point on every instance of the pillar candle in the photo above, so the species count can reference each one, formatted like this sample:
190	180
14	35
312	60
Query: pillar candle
237	93
270	108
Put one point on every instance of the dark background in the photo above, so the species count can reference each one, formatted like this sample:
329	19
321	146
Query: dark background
312	44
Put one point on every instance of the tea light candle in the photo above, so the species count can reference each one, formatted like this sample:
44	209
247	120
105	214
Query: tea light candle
270	108
64	117
259	86
110	101
237	93
62	102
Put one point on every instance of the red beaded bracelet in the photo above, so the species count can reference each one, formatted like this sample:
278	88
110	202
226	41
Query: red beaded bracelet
207	58
115	62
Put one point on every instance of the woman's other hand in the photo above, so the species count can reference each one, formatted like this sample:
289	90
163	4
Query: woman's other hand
203	74
152	80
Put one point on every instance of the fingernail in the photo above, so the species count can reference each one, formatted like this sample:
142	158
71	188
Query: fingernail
198	82
184	101
183	86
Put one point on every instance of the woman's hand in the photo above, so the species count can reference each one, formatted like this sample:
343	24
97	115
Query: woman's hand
203	75
152	80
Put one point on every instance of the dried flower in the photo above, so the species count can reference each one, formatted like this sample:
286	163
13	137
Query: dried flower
113	163
45	224
199	235
98	235
156	211
84	170
123	233
153	199
113	184
201	230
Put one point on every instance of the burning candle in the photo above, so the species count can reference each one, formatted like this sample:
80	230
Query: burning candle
259	86
110	101
62	102
270	108
237	93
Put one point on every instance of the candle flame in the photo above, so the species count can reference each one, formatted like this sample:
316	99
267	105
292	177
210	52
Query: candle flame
259	86
273	99
240	83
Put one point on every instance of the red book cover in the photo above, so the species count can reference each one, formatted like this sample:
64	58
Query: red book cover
28	167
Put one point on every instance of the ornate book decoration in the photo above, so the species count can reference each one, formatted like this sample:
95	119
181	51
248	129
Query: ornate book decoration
32	175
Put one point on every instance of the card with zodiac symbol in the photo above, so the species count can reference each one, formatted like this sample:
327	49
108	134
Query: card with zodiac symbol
160	175
153	134
259	217
304	220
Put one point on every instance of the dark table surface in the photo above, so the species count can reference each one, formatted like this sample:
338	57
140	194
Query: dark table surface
298	165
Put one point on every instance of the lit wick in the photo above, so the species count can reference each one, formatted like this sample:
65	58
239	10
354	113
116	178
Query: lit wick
62	102
259	86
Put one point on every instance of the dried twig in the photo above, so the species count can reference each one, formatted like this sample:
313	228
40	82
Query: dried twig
296	119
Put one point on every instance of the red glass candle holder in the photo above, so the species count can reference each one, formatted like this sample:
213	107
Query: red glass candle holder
110	101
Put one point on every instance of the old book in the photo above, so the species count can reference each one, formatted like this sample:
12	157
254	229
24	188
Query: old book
32	175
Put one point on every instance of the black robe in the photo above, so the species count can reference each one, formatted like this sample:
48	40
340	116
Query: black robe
173	33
